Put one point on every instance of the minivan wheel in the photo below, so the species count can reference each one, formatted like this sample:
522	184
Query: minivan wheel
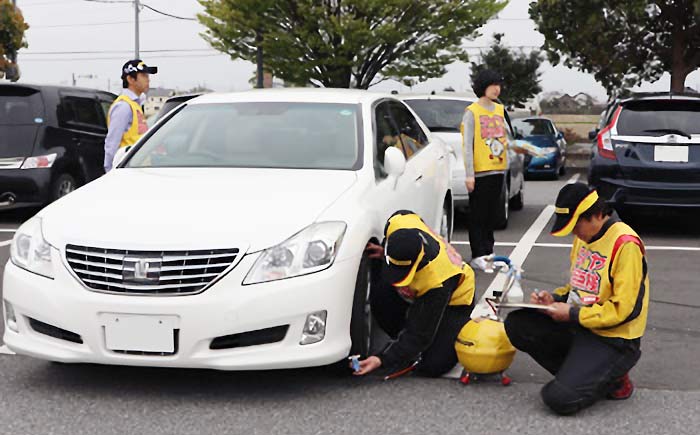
446	223
62	186
502	217
361	321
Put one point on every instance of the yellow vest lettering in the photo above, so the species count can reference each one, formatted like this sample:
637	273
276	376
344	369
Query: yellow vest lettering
138	125
490	138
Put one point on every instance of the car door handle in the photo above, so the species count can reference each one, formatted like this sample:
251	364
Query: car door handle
420	177
442	157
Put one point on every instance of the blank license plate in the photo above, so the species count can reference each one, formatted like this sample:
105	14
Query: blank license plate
141	333
664	153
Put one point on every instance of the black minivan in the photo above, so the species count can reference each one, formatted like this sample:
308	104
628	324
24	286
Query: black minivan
51	141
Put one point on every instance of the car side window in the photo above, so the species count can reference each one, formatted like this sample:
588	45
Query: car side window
82	113
412	135
386	135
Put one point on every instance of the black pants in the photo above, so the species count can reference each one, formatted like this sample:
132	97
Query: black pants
484	204
585	365
390	311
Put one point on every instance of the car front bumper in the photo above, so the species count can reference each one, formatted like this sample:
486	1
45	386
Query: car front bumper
225	308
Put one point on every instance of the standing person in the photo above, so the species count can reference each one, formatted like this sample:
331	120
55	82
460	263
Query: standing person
423	298
591	337
485	148
125	120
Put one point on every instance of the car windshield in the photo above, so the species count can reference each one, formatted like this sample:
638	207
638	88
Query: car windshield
659	117
20	106
534	127
256	135
440	115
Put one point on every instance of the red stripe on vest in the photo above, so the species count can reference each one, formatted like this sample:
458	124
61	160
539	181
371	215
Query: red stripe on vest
622	240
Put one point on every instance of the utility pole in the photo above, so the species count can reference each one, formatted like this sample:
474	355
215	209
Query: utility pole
136	34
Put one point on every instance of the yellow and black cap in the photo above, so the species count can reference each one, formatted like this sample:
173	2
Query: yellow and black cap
136	66
405	248
573	200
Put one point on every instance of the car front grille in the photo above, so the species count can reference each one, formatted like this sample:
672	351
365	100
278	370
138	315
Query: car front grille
148	272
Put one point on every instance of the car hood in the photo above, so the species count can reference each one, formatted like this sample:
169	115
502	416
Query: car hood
541	141
202	208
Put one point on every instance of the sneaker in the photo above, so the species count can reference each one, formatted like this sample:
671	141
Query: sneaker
622	388
482	263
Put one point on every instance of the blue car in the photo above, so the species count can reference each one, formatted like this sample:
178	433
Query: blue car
542	133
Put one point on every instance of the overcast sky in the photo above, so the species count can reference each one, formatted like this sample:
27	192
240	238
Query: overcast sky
86	38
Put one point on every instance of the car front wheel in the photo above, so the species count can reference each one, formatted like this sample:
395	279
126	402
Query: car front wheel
361	322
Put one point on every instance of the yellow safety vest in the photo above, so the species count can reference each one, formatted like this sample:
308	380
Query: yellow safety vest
609	283
138	125
438	269
490	138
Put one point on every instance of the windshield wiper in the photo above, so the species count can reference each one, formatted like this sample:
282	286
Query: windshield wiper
670	131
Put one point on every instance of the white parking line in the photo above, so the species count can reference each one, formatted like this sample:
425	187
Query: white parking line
5	243
7	230
568	245
4	350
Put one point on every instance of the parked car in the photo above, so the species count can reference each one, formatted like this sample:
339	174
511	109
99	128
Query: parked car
543	133
231	236
51	141
443	116
648	153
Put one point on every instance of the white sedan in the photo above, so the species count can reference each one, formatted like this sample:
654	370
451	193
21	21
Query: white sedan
230	237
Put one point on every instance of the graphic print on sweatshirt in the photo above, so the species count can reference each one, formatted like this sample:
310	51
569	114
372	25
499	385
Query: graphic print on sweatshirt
493	132
585	277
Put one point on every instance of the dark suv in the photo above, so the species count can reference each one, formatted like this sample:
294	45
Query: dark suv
648	151
51	141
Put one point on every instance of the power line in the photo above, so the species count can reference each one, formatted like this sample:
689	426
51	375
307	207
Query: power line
167	14
95	24
157	56
166	50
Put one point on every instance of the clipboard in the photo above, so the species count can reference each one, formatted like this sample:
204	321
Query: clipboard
524	305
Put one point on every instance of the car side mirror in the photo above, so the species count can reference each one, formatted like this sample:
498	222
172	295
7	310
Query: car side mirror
592	134
560	135
394	162
119	156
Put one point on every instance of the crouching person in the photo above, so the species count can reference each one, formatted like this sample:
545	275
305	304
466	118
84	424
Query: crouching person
590	337
423	299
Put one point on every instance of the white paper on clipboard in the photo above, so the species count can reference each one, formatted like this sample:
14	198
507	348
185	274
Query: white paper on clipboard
524	305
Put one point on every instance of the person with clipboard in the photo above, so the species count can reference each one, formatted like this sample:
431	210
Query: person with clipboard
590	336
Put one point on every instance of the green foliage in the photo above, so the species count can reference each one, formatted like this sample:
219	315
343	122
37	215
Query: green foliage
347	43
12	28
622	42
519	71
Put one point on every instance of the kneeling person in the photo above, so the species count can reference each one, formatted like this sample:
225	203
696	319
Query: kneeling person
590	338
424	297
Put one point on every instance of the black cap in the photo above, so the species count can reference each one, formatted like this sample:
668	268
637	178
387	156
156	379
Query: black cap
573	200
403	252
484	79
135	66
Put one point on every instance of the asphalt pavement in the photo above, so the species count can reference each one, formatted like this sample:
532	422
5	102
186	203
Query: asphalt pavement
38	397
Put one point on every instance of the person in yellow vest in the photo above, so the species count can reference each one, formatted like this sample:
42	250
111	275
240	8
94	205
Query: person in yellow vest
485	151
589	338
125	120
423	298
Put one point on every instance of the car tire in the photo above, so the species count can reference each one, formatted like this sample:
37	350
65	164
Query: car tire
446	222
562	170
361	321
62	186
504	209
518	201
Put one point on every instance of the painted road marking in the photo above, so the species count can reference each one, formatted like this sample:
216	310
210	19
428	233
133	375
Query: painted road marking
7	230
568	245
4	350
5	243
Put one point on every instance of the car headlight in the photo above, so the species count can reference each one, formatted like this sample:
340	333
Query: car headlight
311	250
30	251
550	150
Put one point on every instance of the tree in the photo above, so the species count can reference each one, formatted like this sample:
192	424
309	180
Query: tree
622	42
348	43
12	28
520	71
